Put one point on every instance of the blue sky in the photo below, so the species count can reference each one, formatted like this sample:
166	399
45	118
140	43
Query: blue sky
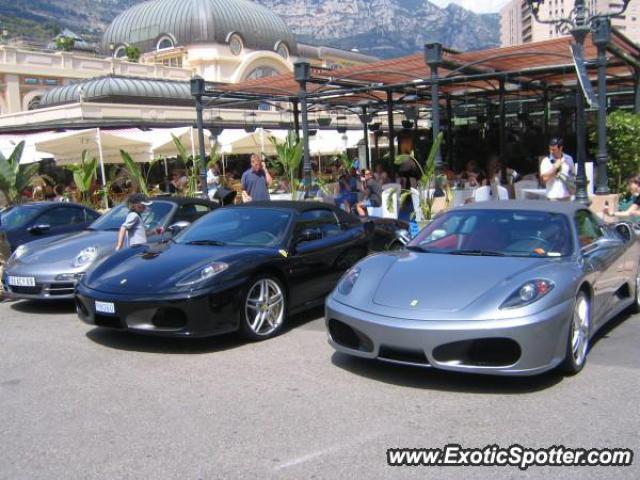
480	6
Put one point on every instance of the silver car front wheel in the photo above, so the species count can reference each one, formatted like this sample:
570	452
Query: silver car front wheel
264	308
579	332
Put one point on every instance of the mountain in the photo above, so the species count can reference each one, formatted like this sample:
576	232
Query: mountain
384	28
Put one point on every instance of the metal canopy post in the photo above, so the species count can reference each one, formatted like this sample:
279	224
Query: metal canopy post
503	121
433	58
546	113
296	118
450	159
636	96
392	134
102	171
197	91
601	37
364	118
579	34
302	74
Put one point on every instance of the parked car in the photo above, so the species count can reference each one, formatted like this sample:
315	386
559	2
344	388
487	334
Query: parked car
49	269
21	224
509	288
245	267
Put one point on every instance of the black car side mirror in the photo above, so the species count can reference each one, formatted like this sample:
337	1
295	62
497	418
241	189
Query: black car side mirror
309	235
37	229
625	230
178	227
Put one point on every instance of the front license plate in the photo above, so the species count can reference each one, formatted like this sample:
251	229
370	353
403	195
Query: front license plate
105	307
22	281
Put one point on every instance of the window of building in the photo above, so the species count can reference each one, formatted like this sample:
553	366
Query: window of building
31	81
120	52
34	103
282	50
261	72
51	82
165	43
235	44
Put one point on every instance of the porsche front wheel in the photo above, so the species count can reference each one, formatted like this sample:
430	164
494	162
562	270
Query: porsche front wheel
264	308
578	339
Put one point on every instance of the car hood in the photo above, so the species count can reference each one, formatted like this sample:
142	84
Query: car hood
62	249
427	286
157	269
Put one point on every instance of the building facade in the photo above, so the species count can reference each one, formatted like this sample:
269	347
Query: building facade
518	25
224	41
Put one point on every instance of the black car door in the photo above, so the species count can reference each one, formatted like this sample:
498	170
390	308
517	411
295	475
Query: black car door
316	264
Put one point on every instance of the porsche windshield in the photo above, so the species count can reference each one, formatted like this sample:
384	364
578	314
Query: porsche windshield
152	216
261	227
497	233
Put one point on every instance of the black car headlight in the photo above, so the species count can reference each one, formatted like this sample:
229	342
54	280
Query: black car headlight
203	274
348	281
528	293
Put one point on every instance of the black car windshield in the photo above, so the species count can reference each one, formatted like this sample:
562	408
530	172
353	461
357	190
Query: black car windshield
496	233
154	215
263	227
16	217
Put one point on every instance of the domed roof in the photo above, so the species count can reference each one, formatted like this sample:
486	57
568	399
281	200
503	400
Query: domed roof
198	21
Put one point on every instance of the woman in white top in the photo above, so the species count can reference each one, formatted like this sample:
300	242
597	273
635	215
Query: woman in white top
213	179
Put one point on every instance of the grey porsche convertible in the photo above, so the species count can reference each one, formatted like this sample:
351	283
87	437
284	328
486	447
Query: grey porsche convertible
505	288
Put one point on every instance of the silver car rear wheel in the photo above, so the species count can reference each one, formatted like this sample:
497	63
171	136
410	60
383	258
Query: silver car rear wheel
264	308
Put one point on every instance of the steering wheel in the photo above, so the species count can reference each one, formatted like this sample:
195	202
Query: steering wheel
545	243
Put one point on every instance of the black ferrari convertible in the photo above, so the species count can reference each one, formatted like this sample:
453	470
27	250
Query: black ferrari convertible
239	268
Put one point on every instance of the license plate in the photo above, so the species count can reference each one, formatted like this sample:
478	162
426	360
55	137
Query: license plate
22	281
105	307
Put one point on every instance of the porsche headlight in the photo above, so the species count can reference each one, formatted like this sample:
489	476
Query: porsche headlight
203	274
528	293
17	253
86	257
348	281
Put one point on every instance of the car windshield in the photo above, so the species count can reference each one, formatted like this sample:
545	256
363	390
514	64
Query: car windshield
17	217
496	233
154	215
262	227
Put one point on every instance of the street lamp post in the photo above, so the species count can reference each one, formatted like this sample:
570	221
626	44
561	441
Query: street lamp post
581	21
433	58
302	74
198	91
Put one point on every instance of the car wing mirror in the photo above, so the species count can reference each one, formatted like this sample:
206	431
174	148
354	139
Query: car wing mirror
625	230
178	227
37	229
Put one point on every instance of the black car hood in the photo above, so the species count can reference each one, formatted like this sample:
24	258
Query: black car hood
154	270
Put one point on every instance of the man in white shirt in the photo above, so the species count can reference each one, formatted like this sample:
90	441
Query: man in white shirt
557	172
213	180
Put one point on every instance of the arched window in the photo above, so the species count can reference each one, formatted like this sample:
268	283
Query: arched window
120	52
165	43
261	72
282	50
34	103
235	44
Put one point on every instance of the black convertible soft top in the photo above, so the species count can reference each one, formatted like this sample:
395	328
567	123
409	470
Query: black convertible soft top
287	204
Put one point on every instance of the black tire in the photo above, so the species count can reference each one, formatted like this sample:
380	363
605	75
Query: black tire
576	355
251	327
635	306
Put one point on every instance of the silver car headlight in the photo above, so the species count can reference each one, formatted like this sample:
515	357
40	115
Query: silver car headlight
348	281
17	253
203	274
528	293
86	257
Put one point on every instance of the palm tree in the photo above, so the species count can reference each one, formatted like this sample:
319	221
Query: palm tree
135	172
192	173
289	155
14	178
84	173
427	178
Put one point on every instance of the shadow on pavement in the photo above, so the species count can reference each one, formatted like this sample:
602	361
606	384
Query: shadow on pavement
610	326
428	378
136	342
53	307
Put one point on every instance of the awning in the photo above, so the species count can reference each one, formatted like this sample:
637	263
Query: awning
256	142
29	155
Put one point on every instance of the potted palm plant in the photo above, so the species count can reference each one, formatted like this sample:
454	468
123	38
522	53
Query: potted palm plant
428	178
289	156
14	178
84	173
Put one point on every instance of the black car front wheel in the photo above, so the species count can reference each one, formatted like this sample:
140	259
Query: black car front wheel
264	308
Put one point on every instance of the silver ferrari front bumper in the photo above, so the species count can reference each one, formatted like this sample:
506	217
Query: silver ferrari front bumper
517	346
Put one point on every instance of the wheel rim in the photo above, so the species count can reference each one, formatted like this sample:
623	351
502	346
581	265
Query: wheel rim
580	330
264	307
638	287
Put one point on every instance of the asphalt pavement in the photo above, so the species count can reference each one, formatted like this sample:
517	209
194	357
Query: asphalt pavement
84	403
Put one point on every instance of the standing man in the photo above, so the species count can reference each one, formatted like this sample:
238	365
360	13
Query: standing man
132	232
372	194
557	172
255	181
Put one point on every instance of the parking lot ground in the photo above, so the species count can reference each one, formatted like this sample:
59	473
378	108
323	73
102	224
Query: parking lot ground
78	402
